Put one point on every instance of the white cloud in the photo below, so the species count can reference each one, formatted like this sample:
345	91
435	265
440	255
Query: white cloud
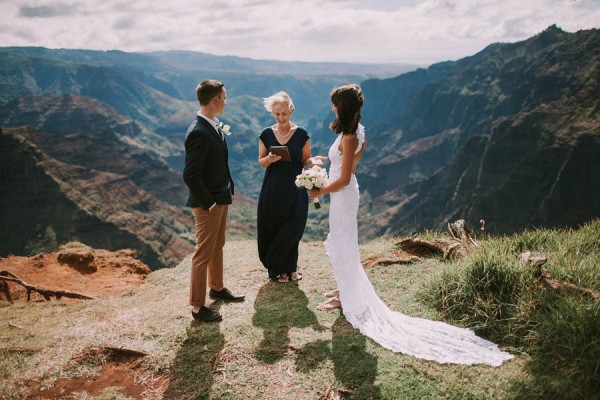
46	11
408	31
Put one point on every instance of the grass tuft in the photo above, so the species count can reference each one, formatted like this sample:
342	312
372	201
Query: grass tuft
497	295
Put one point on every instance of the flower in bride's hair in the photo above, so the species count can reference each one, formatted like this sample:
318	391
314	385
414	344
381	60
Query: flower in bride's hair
225	128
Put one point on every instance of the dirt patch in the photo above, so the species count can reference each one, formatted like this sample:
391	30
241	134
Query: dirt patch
121	372
76	268
108	372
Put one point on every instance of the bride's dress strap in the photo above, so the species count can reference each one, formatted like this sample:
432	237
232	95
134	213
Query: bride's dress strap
360	134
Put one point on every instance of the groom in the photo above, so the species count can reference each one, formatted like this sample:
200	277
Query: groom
206	173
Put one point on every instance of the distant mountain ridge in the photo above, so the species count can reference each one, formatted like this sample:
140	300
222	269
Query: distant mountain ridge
156	90
501	135
105	133
176	74
426	173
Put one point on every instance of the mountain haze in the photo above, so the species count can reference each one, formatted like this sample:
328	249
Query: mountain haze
93	144
509	135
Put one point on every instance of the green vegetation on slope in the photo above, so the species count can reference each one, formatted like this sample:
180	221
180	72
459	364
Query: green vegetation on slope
499	296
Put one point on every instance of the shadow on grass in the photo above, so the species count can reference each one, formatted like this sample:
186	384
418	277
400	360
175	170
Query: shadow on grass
192	373
354	366
279	307
547	380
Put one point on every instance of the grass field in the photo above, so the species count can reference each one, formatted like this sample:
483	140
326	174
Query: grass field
277	345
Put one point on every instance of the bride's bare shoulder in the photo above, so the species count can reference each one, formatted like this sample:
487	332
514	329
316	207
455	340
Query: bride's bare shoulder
350	139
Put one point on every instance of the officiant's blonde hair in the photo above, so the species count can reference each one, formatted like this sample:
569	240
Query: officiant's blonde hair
279	97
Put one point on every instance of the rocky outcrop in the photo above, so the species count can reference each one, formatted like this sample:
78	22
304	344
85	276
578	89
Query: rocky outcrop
75	271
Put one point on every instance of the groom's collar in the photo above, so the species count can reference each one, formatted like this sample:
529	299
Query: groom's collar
213	122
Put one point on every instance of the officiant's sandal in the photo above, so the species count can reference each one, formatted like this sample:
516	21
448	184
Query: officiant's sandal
295	276
283	278
330	304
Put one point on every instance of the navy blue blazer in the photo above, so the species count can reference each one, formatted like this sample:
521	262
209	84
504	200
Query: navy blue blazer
206	171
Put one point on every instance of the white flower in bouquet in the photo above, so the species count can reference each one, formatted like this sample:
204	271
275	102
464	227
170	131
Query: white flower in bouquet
312	178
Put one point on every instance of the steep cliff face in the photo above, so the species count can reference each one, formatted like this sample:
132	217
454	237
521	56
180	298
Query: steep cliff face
46	202
539	168
497	138
82	131
503	80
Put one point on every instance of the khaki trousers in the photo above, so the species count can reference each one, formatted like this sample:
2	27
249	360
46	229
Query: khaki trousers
207	262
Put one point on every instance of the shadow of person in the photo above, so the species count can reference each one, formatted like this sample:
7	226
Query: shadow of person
354	367
279	307
192	372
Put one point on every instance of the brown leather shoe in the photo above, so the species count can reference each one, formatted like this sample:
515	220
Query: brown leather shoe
224	295
207	315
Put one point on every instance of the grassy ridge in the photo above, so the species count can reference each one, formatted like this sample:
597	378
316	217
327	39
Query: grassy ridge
276	344
499	296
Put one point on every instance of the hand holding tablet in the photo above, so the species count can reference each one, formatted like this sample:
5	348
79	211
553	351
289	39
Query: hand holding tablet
281	151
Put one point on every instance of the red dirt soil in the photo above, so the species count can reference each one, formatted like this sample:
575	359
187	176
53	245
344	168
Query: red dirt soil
78	269
120	370
93	272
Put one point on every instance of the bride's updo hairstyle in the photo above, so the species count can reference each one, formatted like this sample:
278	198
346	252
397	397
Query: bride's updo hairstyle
349	100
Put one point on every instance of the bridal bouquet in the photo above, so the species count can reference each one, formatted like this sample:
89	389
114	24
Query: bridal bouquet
312	178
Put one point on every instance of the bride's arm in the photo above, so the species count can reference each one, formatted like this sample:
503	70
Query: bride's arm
349	144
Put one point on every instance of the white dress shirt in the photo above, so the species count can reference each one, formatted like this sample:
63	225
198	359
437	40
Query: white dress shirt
214	122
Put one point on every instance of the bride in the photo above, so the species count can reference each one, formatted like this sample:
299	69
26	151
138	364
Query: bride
422	338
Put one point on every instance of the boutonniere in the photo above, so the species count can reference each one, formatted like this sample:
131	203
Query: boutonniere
225	128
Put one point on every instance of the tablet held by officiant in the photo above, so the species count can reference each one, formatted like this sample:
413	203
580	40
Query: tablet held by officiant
281	151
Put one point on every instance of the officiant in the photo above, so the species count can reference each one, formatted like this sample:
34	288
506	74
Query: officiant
284	150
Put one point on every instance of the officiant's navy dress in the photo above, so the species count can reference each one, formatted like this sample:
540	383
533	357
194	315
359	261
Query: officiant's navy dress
282	207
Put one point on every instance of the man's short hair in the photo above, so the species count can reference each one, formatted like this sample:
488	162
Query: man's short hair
208	89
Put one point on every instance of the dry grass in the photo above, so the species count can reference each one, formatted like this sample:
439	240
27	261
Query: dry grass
275	345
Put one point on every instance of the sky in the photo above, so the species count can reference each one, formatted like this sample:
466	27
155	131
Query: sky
363	31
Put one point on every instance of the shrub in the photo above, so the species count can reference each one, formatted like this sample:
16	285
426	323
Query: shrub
497	295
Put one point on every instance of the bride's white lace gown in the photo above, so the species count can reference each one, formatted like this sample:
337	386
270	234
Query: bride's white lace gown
421	338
